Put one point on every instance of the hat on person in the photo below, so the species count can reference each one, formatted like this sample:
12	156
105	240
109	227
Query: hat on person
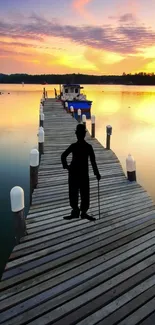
81	128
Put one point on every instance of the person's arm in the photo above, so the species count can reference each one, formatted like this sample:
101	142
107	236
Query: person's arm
93	162
64	156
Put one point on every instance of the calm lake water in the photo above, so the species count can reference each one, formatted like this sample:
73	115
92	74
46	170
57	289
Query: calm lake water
129	109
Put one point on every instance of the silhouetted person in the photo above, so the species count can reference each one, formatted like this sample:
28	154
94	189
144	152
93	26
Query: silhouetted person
79	173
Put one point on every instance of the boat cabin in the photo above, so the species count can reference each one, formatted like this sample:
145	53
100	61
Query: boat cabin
71	91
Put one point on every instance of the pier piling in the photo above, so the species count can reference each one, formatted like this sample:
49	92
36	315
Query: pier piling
34	164
93	126
42	119
131	168
84	120
109	133
17	207
79	115
41	142
72	111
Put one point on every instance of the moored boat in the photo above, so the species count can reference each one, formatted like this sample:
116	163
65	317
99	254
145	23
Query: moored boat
70	94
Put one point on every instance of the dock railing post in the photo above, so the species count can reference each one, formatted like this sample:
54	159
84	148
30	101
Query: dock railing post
84	120
44	93
93	126
66	106
79	115
72	111
42	102
131	168
34	164
41	142
17	207
109	133
41	108
42	117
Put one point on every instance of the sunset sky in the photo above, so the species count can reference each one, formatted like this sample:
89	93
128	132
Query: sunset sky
81	36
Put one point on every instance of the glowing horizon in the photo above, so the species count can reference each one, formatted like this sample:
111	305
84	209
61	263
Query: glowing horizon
77	36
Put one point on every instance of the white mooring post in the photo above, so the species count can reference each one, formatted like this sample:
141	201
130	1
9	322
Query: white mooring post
131	168
84	120
43	101
41	142
17	207
109	133
93	126
42	117
72	111
41	109
34	164
79	115
66	106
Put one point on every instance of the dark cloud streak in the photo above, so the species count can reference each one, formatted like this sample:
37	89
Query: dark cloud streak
125	38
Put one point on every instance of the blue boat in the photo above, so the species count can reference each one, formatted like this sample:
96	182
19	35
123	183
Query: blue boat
71	96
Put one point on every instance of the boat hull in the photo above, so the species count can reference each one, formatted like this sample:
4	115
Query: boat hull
83	105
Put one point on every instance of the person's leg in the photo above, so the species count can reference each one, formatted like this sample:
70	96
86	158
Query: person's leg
84	192
85	198
73	195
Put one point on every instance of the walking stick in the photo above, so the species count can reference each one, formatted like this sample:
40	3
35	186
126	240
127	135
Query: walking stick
99	199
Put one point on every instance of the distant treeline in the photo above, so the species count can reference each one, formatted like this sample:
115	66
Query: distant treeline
125	79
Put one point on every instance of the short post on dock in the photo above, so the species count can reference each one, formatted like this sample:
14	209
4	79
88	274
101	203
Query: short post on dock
79	115
131	168
84	120
41	108
34	164
66	106
109	133
72	111
42	117
41	142
17	207
93	126
44	93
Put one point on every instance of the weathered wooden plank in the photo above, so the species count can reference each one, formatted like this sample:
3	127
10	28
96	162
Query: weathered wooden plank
92	299
84	248
100	277
91	263
80	258
130	307
48	242
71	225
35	222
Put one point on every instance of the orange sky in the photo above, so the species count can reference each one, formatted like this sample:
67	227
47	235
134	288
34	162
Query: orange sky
81	36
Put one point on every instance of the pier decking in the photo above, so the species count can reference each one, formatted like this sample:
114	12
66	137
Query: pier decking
81	272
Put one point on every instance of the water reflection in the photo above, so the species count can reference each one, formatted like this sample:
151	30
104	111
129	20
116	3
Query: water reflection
18	135
131	112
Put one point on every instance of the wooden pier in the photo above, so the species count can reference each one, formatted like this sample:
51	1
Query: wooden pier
80	272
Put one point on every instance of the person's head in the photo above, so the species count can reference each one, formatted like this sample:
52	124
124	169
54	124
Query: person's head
80	131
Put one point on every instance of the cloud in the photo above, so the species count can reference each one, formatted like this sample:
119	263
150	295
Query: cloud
5	52
28	45
105	63
127	18
80	7
15	30
125	39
